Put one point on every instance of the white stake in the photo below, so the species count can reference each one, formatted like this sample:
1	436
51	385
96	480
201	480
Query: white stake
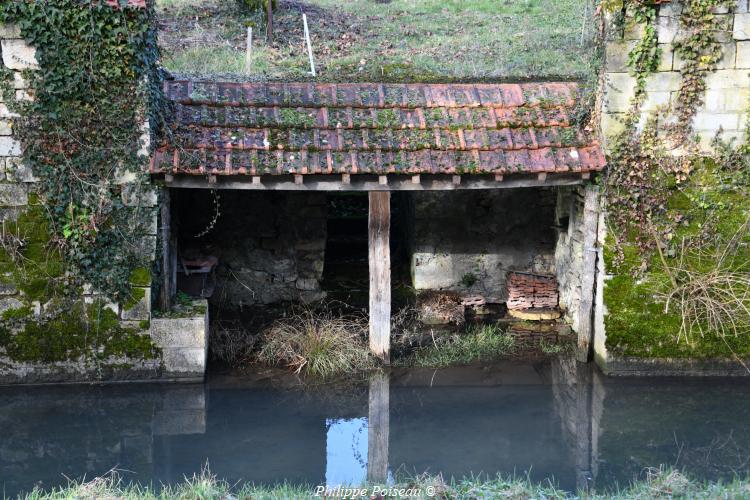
309	45
249	53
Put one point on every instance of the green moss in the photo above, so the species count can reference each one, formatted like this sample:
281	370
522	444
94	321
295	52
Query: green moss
140	276
91	332
637	322
144	325
294	118
136	295
16	314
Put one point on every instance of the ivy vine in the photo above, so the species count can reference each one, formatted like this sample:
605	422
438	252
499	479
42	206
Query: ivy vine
82	134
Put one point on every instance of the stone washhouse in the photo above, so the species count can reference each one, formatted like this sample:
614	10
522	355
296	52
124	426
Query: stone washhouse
493	184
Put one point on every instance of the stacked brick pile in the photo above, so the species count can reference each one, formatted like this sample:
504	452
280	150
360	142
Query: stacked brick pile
529	291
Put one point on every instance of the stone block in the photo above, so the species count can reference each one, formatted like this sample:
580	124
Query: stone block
185	361
10	31
5	112
728	78
656	100
619	91
742	6
661	82
743	55
19	83
13	195
726	100
307	284
24	95
9	146
727	61
6	127
707	121
172	333
17	54
617	55
670	9
9	303
633	30
141	310
667	28
137	195
741	26
666	57
17	171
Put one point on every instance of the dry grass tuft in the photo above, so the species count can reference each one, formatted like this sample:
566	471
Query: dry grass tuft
318	343
711	291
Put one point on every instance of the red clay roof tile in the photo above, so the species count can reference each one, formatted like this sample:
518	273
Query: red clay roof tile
304	128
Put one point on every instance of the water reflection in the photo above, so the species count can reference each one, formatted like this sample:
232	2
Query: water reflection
557	419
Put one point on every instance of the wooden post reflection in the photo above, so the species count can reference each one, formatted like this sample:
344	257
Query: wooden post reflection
378	428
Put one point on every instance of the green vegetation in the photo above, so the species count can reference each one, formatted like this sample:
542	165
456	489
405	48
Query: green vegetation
317	343
478	344
658	484
677	224
400	40
92	332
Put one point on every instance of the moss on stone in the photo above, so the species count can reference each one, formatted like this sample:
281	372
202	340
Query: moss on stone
92	332
136	295
140	276
637	323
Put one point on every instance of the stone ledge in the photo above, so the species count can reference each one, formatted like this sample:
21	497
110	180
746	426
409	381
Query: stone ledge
672	367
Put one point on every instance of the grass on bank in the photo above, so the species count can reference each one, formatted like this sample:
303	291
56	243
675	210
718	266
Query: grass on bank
659	483
376	40
479	343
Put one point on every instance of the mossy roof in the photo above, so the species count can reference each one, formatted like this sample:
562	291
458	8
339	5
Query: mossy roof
305	128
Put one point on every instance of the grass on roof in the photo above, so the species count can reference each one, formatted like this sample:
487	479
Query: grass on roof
381	40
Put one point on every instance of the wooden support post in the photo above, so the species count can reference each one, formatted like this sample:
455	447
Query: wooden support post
346	179
256	180
588	272
165	298
269	21
542	176
383	180
456	180
415	179
379	222
299	179
212	179
498	177
378	427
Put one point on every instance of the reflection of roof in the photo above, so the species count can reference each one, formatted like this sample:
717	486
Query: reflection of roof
301	128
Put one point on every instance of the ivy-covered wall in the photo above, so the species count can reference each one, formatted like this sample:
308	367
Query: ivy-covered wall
674	116
80	102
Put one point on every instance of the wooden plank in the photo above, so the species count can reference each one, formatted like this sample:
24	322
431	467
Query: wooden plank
378	428
371	183
588	272
165	297
379	224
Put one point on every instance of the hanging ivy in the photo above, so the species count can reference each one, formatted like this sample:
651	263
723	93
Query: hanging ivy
96	89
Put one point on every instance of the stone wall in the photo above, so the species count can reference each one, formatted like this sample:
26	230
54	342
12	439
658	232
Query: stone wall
270	245
467	241
17	183
569	251
728	88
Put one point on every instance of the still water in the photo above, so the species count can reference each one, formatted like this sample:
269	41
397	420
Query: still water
553	419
